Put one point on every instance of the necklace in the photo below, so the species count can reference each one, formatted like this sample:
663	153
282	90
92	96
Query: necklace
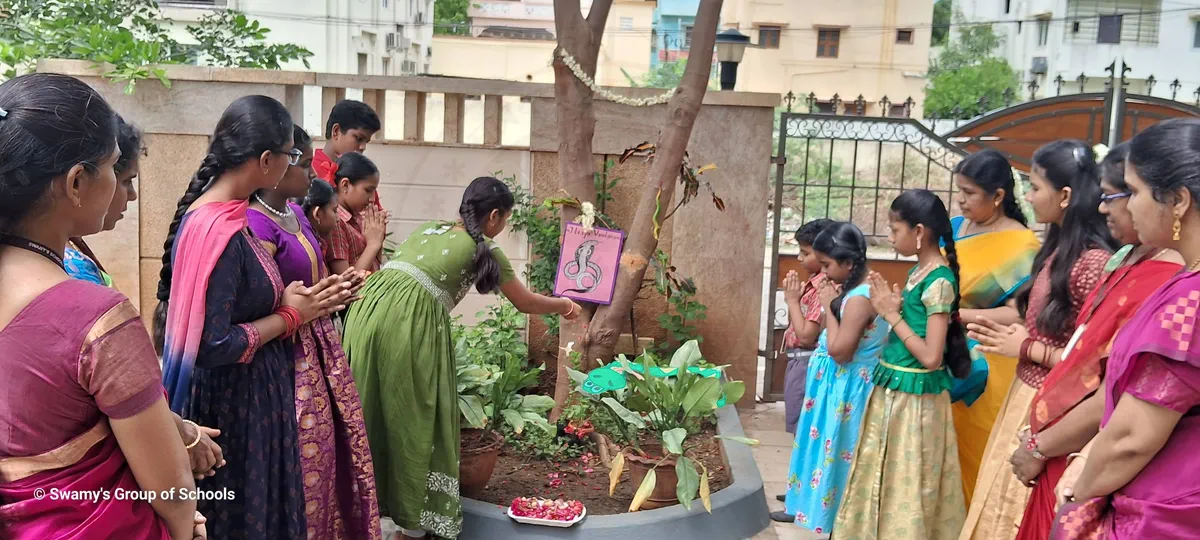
917	276
29	245
286	214
1195	264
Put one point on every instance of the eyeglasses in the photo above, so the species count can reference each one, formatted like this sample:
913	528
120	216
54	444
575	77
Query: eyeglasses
294	156
1114	197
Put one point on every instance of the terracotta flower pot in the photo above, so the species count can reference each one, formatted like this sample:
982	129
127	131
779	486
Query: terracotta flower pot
665	478
478	452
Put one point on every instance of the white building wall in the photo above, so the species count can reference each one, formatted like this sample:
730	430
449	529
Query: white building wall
1069	53
336	31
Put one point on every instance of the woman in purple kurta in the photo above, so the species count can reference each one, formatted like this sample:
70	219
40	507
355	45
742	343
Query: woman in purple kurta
339	479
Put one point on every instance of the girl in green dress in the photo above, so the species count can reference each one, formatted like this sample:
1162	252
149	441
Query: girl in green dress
905	480
402	355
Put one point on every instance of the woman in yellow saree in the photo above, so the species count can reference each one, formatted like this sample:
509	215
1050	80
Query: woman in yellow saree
996	252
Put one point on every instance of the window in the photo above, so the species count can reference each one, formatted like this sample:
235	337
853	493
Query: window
897	111
1196	38
827	42
626	23
687	37
387	65
1110	29
768	36
904	36
1007	6
1043	26
362	64
826	107
1075	27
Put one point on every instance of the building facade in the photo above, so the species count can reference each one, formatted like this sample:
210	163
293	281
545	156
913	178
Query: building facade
1048	39
514	40
672	30
875	49
364	37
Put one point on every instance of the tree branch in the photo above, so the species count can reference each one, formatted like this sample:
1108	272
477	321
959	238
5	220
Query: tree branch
658	193
596	18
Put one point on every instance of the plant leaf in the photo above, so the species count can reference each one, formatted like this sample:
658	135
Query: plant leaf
744	440
687	355
539	404
688	483
706	168
734	391
578	376
614	473
702	397
643	491
472	411
720	204
627	415
673	440
514	419
705	494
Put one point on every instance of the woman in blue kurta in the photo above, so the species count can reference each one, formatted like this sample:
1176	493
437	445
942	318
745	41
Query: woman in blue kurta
838	382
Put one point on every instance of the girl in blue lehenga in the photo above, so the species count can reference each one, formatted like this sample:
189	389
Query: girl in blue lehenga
839	382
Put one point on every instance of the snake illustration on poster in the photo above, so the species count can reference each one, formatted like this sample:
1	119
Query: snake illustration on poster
587	265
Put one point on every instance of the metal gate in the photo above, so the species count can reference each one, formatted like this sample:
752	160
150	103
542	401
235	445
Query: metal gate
846	168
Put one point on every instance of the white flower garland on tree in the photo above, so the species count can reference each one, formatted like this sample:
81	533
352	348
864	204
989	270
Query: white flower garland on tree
583	77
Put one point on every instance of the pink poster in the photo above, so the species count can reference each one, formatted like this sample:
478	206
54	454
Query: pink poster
587	265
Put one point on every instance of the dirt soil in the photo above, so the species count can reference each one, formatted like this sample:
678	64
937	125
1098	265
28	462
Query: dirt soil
586	479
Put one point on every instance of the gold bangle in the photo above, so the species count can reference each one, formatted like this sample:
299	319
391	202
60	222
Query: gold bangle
1071	457
910	336
199	435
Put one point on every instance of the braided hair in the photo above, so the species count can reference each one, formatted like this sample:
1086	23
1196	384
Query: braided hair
991	171
844	243
482	196
50	124
250	126
923	207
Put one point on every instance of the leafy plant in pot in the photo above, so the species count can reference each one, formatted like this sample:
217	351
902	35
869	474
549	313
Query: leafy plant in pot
489	395
668	405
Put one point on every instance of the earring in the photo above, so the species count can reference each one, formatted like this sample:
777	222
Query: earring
1175	228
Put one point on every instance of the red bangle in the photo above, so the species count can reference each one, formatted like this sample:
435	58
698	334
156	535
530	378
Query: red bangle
291	319
1025	346
1032	447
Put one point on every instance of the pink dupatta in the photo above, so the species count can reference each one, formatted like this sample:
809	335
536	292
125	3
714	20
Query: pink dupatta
197	249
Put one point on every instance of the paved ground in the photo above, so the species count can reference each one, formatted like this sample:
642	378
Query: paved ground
773	453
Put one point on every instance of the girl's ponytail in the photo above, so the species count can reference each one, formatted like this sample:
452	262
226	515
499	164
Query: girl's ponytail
483	196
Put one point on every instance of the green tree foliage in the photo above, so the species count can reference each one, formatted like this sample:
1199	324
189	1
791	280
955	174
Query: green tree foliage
131	38
965	71
667	75
450	17
943	11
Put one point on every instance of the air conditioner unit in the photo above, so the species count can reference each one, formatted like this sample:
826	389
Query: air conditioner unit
391	41
1039	65
405	43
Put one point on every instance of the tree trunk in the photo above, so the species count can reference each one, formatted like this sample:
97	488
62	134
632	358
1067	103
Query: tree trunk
608	321
580	38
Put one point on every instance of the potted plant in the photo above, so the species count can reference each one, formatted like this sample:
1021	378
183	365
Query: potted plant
658	408
487	395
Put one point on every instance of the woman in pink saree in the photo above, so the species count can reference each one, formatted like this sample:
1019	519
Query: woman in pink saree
84	425
1139	477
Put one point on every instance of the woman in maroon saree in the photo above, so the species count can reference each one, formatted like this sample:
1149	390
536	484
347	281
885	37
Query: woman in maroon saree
1139	477
82	409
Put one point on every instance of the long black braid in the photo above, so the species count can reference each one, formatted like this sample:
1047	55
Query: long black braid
250	126
484	195
923	207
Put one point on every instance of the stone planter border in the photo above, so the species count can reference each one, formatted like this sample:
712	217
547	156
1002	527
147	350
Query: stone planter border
739	511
